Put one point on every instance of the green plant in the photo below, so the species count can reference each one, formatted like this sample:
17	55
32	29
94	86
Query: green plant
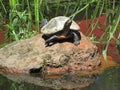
1	21
36	11
112	30
3	6
19	25
112	22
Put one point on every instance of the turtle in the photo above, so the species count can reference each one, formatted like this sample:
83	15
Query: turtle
61	27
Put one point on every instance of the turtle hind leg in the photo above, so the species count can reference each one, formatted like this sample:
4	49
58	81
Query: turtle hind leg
49	40
77	37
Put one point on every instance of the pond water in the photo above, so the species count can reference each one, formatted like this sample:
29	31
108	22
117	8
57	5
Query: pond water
108	80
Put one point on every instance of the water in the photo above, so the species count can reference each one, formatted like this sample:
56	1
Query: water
108	80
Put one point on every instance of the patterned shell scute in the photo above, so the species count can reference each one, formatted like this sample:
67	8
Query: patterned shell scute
57	24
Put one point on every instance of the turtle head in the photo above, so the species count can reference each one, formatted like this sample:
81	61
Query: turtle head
43	22
68	23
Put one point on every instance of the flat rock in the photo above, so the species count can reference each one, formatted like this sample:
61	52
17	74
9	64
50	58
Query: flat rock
31	56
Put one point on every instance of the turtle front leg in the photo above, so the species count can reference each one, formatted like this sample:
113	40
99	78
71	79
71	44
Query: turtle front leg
51	39
77	37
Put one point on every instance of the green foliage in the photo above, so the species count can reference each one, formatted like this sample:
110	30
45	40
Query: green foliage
110	33
1	21
3	6
36	11
19	25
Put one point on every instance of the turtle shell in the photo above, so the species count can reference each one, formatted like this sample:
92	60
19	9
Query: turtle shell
57	24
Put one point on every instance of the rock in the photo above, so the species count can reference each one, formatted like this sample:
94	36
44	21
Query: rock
31	56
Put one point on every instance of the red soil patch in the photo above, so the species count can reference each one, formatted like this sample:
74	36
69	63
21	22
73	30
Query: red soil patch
84	25
99	30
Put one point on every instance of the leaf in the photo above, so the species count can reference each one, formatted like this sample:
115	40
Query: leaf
15	21
104	52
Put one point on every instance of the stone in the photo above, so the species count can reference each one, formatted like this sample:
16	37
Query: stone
31	56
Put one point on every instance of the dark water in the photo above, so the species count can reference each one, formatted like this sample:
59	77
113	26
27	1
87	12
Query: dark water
108	80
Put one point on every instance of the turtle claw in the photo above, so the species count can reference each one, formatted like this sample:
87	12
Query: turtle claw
77	37
77	42
46	44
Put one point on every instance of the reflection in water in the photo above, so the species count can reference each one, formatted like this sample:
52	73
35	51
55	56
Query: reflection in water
26	82
109	80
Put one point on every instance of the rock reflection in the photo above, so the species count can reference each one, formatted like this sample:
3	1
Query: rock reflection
54	82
